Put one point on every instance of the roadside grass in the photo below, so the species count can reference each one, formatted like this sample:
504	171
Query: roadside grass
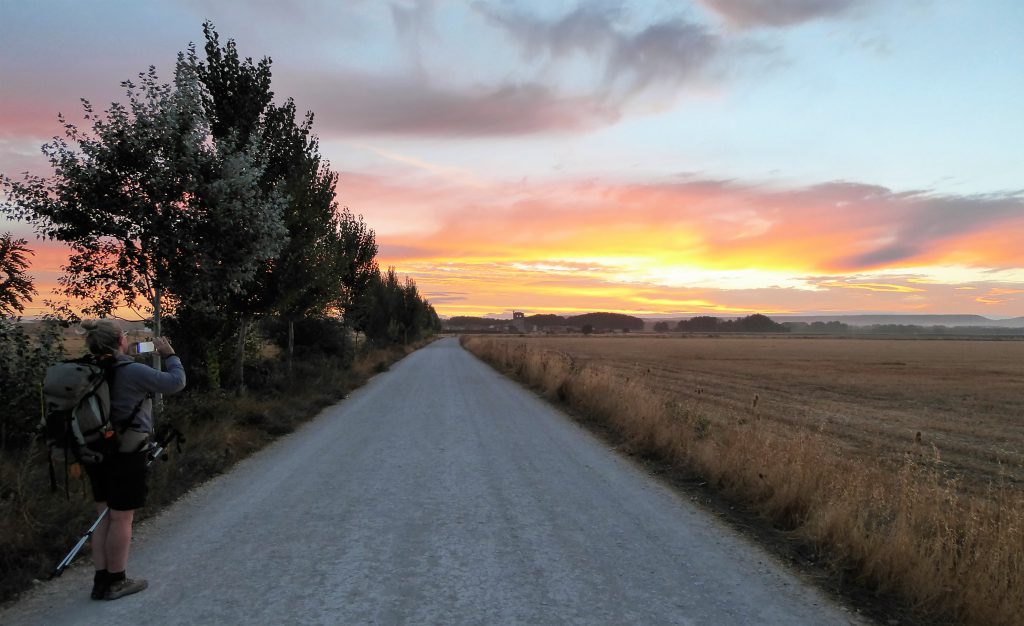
906	527
38	526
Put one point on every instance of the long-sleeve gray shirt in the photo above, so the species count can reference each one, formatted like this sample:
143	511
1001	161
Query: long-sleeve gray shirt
134	382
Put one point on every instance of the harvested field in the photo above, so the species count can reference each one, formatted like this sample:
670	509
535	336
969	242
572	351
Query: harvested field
871	396
900	461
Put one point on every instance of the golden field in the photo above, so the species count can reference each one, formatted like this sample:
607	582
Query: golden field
900	460
870	396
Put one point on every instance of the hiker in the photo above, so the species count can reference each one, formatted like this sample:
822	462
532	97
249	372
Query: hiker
119	480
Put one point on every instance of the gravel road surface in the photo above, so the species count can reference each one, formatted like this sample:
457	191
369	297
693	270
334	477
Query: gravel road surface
439	493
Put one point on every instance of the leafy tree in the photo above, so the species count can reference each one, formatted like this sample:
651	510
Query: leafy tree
15	285
393	312
545	319
236	98
355	263
701	323
606	321
237	91
152	209
467	321
758	323
329	254
419	317
661	327
365	315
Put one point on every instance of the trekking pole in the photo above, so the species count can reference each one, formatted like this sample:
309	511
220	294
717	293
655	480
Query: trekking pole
155	452
78	546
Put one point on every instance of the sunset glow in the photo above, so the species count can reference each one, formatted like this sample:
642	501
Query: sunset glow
637	157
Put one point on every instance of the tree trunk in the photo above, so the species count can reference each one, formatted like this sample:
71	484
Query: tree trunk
291	345
158	399
243	330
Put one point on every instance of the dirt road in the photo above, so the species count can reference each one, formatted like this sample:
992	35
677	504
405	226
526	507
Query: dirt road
440	493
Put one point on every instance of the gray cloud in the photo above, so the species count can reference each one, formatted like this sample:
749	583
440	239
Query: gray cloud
358	104
882	256
622	60
670	51
753	13
625	59
927	219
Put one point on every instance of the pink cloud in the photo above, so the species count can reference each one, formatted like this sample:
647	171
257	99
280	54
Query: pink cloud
752	13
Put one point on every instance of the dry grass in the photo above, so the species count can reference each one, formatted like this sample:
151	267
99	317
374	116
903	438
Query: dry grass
820	437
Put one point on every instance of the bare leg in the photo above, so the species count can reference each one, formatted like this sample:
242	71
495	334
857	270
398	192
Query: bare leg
99	539
118	540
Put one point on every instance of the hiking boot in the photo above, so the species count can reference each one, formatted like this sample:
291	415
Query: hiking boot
100	584
125	587
99	591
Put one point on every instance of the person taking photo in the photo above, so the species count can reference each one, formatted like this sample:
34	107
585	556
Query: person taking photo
119	481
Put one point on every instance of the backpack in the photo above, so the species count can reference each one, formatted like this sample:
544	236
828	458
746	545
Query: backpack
76	409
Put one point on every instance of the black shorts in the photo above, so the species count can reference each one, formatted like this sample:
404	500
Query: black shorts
120	480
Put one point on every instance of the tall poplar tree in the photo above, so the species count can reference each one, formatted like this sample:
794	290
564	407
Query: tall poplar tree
152	209
329	252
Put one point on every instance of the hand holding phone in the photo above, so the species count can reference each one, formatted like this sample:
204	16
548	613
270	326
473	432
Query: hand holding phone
163	347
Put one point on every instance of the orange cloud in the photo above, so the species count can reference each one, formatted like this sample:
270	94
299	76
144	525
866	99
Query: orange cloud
687	246
882	287
664	237
711	223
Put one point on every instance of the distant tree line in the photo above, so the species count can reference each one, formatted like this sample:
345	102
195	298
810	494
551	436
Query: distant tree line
586	322
900	330
210	210
762	324
818	328
756	323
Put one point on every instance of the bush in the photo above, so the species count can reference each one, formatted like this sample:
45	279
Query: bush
204	343
314	336
25	353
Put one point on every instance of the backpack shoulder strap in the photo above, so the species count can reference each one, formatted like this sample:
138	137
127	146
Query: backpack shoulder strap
126	423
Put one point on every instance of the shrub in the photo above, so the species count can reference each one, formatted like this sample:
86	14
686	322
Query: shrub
325	336
24	357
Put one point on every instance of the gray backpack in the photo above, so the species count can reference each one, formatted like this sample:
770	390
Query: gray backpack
76	417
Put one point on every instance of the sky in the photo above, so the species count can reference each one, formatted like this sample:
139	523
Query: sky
655	158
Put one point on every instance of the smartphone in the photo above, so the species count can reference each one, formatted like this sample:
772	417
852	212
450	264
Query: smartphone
144	346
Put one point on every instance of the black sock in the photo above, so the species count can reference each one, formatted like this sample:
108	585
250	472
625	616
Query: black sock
101	576
114	577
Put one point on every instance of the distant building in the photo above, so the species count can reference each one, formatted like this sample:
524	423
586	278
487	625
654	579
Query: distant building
519	321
